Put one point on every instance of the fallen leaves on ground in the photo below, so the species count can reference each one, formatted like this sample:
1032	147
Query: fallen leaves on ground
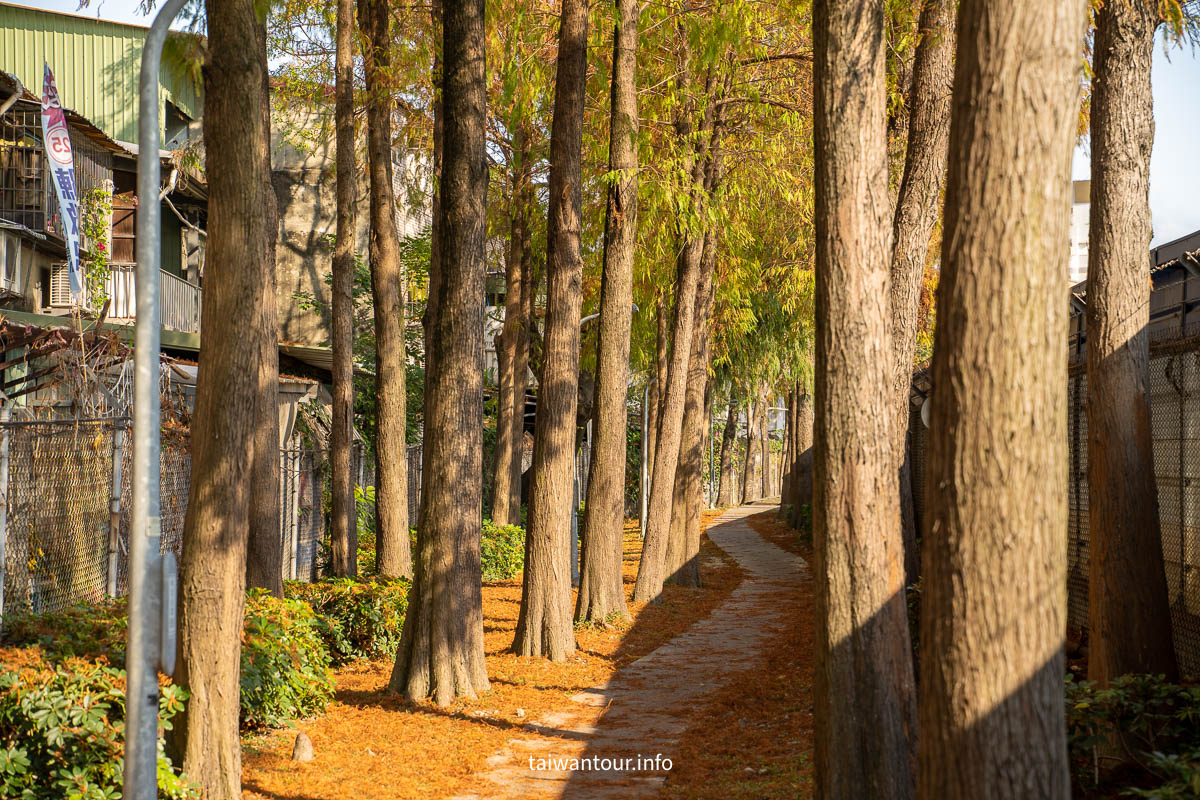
370	744
764	714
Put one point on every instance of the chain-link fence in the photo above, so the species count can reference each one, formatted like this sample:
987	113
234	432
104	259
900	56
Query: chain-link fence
1175	423
62	541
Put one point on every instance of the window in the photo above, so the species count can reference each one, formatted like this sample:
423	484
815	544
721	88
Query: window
22	168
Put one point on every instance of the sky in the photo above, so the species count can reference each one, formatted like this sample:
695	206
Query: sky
1174	165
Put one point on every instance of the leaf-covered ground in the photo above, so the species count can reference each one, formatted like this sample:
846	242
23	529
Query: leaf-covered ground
373	745
764	715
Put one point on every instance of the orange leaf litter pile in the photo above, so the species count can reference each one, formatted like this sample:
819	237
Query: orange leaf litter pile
370	744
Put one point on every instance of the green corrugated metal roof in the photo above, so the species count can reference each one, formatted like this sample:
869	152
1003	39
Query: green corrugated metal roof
95	64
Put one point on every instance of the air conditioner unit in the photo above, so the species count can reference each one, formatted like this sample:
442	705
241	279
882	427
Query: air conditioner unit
60	286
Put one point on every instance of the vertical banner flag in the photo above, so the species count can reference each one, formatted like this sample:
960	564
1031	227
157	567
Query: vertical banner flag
62	172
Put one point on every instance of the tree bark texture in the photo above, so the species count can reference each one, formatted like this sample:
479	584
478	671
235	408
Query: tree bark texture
510	409
241	234
683	544
544	624
441	649
652	570
916	216
752	467
725	497
802	457
264	556
865	711
343	534
764	446
994	563
393	550
1129	614
662	345
601	586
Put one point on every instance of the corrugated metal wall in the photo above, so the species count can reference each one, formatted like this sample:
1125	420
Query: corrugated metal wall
95	65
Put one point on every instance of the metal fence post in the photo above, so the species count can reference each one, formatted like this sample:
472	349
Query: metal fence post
114	506
4	418
145	645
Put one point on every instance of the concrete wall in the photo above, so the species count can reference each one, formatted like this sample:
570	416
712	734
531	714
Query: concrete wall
302	171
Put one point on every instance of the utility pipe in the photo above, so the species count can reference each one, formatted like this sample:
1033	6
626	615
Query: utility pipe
146	619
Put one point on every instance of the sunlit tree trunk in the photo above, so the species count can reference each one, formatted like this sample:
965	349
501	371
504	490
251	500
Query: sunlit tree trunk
865	703
212	579
728	442
441	649
1130	617
993	611
391	445
916	217
683	567
510	409
601	589
544	624
343	534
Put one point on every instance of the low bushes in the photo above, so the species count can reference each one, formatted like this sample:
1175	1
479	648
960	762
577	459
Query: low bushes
1141	732
284	671
501	551
356	618
62	731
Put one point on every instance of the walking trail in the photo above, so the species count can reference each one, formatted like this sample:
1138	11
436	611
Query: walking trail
643	710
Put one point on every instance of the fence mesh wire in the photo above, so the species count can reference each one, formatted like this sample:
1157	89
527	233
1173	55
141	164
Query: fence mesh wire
59	542
1175	423
58	513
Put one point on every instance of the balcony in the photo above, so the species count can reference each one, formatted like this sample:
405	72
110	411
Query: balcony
179	300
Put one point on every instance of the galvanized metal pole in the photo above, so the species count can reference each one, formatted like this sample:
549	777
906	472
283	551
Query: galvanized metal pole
145	567
114	506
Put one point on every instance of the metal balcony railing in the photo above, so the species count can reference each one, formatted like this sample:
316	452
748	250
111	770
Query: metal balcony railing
181	301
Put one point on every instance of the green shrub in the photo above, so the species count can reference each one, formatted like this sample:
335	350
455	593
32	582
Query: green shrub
1155	723
356	618
285	672
364	506
92	630
62	730
501	551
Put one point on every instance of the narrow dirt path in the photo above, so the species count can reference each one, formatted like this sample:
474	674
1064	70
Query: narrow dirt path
641	712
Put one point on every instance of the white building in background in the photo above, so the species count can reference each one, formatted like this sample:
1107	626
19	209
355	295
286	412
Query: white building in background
1081	205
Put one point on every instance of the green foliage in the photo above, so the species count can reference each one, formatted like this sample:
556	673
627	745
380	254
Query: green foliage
95	213
1153	723
284	663
356	618
364	522
90	630
62	730
502	551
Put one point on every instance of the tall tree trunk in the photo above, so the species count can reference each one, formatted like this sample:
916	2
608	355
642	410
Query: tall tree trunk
752	468
662	343
994	560
240	238
728	441
652	570
441	649
802	460
394	553
264	554
764	447
544	624
344	523
865	700
916	217
1130	616
509	406
524	338
786	489
601	588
